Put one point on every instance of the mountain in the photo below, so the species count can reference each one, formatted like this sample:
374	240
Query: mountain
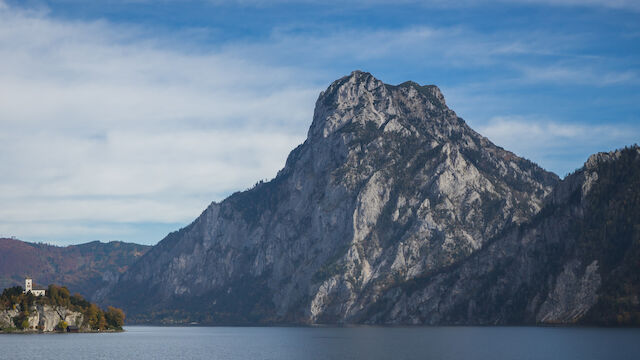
390	186
84	268
576	261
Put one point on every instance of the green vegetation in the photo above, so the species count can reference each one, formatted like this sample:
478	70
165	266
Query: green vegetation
114	317
95	318
610	233
62	325
79	267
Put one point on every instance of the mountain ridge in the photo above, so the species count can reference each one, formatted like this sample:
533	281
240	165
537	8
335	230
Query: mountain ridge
553	269
84	268
390	183
394	211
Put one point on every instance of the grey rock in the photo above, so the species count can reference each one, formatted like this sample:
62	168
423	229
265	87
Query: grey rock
44	318
547	270
573	295
389	186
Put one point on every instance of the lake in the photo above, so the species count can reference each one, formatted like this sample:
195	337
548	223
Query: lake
241	343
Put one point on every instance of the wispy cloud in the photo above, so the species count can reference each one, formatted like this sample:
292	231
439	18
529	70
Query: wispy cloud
561	147
613	4
103	124
579	74
452	45
110	125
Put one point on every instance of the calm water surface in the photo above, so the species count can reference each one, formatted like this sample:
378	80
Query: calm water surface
495	343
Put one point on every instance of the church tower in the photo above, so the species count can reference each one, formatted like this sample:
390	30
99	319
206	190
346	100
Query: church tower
28	286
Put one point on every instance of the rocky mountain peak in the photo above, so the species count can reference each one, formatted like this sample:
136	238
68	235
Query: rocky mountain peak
360	98
350	99
431	92
390	184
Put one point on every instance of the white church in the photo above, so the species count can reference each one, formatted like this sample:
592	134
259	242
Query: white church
28	286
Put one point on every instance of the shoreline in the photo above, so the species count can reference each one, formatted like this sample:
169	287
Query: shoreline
37	332
389	326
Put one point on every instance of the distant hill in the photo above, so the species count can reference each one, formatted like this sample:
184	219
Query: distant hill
82	268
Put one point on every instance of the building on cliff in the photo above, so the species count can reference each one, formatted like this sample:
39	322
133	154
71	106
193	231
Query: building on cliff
28	286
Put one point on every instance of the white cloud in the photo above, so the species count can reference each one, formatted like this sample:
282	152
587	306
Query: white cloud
450	45
613	4
132	163
553	145
113	124
518	57
584	75
44	231
103	124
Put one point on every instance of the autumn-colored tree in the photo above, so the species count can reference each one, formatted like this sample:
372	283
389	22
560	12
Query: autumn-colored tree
94	317
115	318
102	322
59	295
9	296
63	325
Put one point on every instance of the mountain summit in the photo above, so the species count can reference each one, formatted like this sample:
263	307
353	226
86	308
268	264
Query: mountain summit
389	186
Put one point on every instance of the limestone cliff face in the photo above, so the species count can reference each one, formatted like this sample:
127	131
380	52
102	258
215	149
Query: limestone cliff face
389	186
44	318
575	262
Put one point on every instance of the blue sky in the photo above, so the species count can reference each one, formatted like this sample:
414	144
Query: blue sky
123	120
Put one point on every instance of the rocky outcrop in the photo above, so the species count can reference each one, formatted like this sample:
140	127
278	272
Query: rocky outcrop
43	318
575	262
6	318
574	293
389	186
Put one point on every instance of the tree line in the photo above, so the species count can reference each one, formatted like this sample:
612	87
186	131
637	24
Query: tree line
94	318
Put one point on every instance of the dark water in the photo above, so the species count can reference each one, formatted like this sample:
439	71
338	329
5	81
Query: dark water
493	343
